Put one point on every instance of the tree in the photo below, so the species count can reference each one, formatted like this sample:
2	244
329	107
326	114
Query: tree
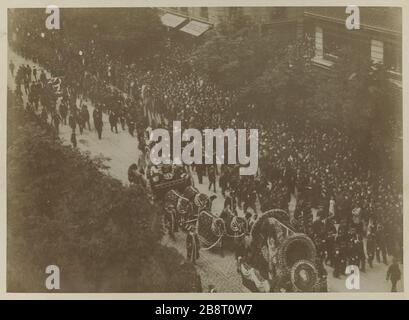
64	210
126	33
356	93
285	87
233	57
358	98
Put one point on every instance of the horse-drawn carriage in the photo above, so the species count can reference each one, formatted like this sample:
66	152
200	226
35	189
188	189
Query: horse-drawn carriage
192	207
282	258
166	177
183	207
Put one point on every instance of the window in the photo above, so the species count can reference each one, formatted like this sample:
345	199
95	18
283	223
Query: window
377	51
204	12
332	44
319	49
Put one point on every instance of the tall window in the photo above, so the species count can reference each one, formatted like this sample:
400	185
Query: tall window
334	42
332	45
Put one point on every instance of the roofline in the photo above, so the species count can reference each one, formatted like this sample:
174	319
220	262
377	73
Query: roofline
342	21
178	13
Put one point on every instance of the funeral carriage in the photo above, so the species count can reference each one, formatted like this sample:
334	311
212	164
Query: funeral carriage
281	259
192	207
165	177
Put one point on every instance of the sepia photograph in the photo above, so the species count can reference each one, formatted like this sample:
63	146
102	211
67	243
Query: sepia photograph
205	149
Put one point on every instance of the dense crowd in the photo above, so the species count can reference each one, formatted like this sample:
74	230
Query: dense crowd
340	200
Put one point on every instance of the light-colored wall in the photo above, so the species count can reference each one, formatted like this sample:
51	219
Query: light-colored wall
261	15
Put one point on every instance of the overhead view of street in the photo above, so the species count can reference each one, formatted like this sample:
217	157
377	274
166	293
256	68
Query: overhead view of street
85	99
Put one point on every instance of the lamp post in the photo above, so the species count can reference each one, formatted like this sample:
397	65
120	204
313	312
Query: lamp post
81	54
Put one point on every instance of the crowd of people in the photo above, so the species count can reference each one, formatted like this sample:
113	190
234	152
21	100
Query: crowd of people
325	168
340	201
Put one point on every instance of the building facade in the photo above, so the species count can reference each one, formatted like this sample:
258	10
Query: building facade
217	15
379	35
279	19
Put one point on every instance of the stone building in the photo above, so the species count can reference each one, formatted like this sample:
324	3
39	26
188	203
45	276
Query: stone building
379	35
282	19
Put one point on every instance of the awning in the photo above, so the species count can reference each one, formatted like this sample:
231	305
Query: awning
171	20
196	28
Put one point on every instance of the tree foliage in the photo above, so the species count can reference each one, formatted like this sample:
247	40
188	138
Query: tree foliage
277	77
358	96
123	32
126	33
64	210
233	57
286	85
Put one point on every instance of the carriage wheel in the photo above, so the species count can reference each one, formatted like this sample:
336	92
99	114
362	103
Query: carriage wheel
293	249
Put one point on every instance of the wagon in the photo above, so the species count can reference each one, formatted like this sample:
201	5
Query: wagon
286	259
192	207
163	178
